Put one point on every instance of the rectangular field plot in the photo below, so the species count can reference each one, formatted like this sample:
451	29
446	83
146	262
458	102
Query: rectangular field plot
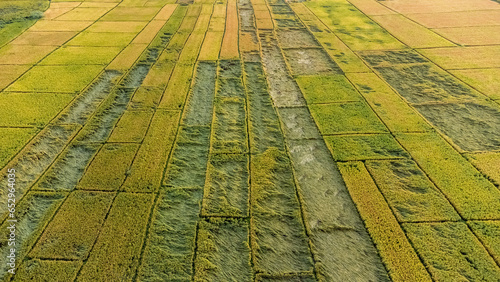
464	57
472	35
31	109
23	54
227	186
297	123
131	14
460	123
102	39
67	170
48	25
392	110
332	221
67	78
231	258
44	38
409	192
472	195
364	147
488	233
488	163
149	32
277	233
72	55
484	80
72	232
32	213
108	169
127	57
132	126
211	46
148	166
457	19
170	246
84	14
229	127
293	38
117	260
451	251
189	158
104	26
47	270
305	61
12	140
353	27
199	107
327	89
177	88
356	117
398	255
9	73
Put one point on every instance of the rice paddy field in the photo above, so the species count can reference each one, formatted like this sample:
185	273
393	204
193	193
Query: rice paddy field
249	140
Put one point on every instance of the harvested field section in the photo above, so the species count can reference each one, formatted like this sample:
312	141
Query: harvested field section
278	237
223	252
282	87
170	245
471	193
70	235
451	251
66	171
31	214
398	255
227	186
341	247
101	174
264	127
47	270
146	171
112	259
409	192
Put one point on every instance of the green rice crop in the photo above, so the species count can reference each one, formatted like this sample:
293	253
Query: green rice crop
72	55
12	140
364	147
47	270
327	89
488	233
132	126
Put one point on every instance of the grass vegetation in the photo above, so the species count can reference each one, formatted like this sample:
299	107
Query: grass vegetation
31	109
108	169
12	140
223	251
397	253
170	245
116	260
451	251
356	117
323	89
364	147
469	191
226	186
409	193
132	126
147	169
71	234
64	78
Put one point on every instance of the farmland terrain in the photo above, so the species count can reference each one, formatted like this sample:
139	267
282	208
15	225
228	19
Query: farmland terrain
250	140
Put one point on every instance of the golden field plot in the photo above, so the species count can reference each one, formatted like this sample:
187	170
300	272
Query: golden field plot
251	140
